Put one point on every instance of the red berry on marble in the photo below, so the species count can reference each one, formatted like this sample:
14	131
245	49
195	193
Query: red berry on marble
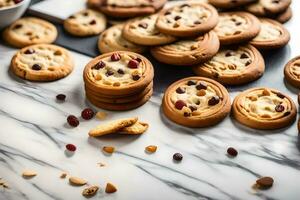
177	156
87	114
71	147
232	152
115	57
72	121
180	104
133	64
61	97
99	65
17	1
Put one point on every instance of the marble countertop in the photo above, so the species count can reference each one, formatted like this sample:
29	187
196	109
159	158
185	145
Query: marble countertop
34	133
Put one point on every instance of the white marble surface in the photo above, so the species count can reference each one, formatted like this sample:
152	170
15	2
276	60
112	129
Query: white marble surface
34	132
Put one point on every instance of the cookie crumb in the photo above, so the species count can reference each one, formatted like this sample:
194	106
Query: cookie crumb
101	115
151	149
90	191
29	173
77	181
63	175
110	188
108	149
101	164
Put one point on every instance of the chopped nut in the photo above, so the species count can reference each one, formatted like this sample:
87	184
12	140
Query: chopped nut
266	116
101	164
63	175
108	149
151	148
266	92
110	188
194	46
29	173
253	98
116	84
98	77
90	191
77	181
176	25
265	182
101	115
201	93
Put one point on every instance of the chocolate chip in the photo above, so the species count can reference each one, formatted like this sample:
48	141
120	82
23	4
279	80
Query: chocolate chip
179	90
99	65
138	59
265	182
167	13
186	114
238	23
143	25
237	32
29	51
286	113
244	56
228	53
213	101
185	5
115	57
36	67
197	22
201	85
280	95
180	104
198	102
17	26
177	17
61	97
93	22
136	77
248	62
109	73
276	1
85	14
177	156
189	83
232	152
121	71
72	17
279	108
193	108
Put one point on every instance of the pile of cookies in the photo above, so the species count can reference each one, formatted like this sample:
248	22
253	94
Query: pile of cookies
119	80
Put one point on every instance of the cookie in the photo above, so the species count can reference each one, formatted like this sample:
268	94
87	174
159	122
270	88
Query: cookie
292	72
264	108
228	4
188	52
118	73
7	3
135	129
112	40
185	20
236	27
144	32
233	66
127	9
29	30
196	102
268	7
42	62
284	16
85	23
120	106
112	127
273	35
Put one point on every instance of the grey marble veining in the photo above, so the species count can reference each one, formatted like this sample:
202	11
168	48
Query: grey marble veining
34	132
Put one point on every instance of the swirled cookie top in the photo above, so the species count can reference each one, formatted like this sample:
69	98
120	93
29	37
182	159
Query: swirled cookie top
294	69
186	16
265	104
231	24
43	57
194	98
268	31
229	61
6	3
129	3
119	69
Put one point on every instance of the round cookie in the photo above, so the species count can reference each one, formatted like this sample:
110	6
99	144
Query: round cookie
85	23
196	102
233	66
264	108
187	19
144	32
29	30
188	52
128	8
7	3
112	40
118	73
236	27
285	16
228	4
120	106
268	7
42	62
292	72
272	35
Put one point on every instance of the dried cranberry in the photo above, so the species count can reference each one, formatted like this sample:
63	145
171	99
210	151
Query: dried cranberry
189	83
177	156
133	64
201	86
232	151
115	57
180	104
214	100
99	65
180	90
143	25
279	108
36	67
136	77
61	97
71	147
73	121
29	51
87	114
17	1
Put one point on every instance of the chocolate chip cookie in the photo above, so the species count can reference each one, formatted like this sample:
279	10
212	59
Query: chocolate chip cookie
196	102
233	66
229	4
292	72
268	7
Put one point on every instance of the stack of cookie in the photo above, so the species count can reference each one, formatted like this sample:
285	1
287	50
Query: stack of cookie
118	80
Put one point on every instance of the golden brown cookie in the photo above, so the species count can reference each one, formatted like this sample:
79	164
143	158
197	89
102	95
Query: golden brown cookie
272	35
112	40
196	102
189	51
233	66
264	108
29	30
284	16
267	7
292	72
189	19
144	32
85	23
42	62
228	4
237	27
128	8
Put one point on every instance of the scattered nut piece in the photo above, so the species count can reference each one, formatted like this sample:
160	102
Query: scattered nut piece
101	115
101	164
29	173
201	93
110	188
63	175
108	149
90	191
265	182
151	148
266	92
77	181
